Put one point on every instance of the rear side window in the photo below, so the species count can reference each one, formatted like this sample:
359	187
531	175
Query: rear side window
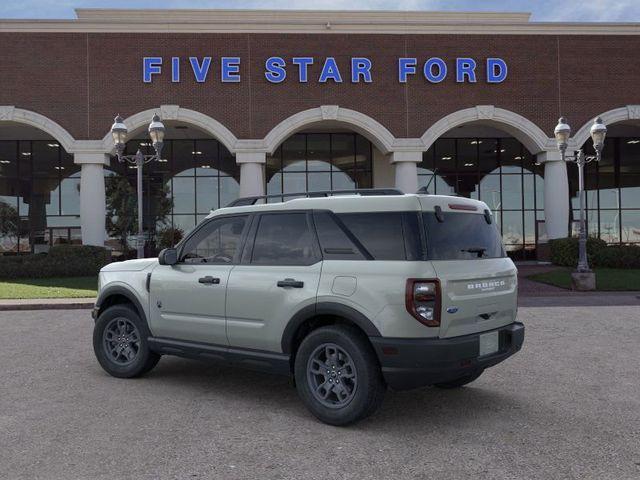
461	236
384	234
284	239
334	241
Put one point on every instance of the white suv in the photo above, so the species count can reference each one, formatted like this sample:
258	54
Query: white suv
348	292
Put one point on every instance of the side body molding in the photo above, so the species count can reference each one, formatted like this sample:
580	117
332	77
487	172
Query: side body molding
326	308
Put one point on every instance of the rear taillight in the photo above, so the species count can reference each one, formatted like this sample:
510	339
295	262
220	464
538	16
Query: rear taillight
423	301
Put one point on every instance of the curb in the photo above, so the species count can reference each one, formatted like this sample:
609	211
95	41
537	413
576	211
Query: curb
75	305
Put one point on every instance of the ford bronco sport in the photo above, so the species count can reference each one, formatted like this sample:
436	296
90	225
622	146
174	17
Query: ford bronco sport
348	292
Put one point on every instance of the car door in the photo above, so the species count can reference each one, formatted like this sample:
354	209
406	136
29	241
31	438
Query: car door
187	300
278	276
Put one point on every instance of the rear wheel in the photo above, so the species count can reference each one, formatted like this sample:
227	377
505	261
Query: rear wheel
460	382
120	343
337	375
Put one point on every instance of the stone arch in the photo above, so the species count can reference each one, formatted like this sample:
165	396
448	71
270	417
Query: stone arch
10	113
527	132
177	113
629	112
373	130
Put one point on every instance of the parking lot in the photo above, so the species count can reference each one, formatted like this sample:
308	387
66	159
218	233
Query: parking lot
567	406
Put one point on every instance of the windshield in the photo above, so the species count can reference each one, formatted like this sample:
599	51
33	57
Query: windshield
461	236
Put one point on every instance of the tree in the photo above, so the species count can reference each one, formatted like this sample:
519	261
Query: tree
9	221
122	208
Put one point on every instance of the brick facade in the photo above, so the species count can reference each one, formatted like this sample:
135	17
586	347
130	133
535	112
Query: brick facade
81	80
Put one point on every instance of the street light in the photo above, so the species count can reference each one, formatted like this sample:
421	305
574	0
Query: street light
119	133
562	133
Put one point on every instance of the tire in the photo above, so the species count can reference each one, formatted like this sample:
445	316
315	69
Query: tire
351	363
132	357
460	382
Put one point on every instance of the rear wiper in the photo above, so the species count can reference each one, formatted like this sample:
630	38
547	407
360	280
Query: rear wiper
478	250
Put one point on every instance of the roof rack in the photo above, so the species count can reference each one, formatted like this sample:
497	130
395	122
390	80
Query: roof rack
245	201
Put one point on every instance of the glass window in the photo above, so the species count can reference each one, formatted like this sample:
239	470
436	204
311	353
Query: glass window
319	161
284	239
467	154
380	233
319	152
512	229
445	242
631	226
335	243
217	242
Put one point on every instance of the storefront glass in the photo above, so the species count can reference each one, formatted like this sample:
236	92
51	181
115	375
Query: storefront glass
498	171
320	161
612	191
194	177
39	196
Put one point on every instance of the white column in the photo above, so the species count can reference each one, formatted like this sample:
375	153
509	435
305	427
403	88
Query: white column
556	194
92	197
251	173
406	166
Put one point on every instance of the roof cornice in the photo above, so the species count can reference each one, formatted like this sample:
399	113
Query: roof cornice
312	21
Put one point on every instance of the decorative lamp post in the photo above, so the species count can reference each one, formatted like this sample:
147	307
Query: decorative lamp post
583	278
119	133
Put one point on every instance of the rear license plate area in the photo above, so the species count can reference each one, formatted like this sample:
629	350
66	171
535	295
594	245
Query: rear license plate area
489	343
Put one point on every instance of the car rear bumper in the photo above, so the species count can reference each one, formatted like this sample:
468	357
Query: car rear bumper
416	362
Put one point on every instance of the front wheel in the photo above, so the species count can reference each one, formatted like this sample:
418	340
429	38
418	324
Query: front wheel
460	382
337	375
120	343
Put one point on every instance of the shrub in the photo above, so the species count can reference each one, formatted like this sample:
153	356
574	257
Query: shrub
61	261
618	256
564	251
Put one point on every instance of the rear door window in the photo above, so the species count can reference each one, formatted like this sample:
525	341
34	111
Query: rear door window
284	239
461	236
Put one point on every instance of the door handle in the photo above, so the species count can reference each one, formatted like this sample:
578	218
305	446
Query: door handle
208	280
290	282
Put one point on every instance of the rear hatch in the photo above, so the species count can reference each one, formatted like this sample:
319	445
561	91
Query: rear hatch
478	282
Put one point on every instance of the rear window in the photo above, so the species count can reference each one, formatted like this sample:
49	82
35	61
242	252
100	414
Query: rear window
461	236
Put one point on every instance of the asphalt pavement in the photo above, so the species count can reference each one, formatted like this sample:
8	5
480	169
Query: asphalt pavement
566	406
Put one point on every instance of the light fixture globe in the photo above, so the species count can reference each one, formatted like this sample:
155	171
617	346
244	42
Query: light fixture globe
598	133
119	133
562	133
156	129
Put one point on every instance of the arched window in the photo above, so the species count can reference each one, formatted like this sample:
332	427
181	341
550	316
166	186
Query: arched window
320	161
498	171
39	192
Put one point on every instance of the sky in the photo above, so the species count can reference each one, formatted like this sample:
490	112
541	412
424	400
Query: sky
542	10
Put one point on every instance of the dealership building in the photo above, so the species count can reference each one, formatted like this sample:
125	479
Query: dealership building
273	102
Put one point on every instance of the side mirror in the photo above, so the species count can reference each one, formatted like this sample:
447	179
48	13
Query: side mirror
168	256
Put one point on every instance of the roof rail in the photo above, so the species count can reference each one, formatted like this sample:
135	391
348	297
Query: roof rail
245	201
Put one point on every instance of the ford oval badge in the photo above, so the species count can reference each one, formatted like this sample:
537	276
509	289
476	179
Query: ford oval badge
452	309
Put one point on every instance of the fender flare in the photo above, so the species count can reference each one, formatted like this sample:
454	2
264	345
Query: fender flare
125	292
326	308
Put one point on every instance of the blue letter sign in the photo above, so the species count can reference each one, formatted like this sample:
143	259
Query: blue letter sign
200	71
330	71
275	69
434	69
496	70
151	66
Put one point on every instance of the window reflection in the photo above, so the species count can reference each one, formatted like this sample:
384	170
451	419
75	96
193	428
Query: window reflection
498	171
612	188
39	196
320	161
195	175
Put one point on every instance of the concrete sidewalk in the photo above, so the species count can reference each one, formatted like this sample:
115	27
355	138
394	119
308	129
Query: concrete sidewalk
46	304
